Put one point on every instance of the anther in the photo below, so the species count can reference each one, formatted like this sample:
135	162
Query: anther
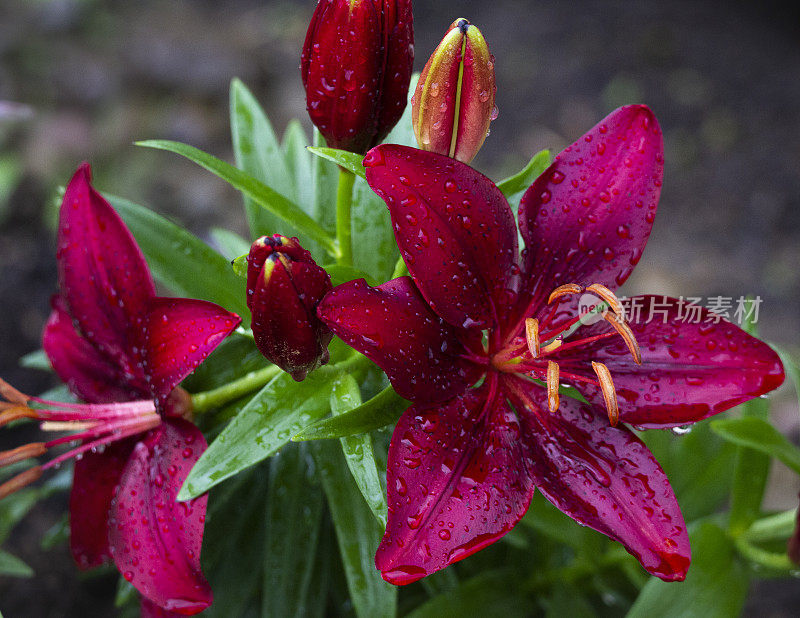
601	291
21	453
609	393
15	413
627	335
553	345
552	386
21	480
532	336
564	290
11	394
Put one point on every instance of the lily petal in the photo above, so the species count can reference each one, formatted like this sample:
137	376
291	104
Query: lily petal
694	364
94	480
455	230
457	482
156	541
604	477
179	334
394	327
88	373
148	609
587	218
102	273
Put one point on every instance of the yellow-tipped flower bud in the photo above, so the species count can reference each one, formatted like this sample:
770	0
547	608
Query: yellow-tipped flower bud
454	100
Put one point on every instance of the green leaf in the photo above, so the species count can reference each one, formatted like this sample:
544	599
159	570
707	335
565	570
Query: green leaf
383	409
57	534
568	601
36	360
277	412
514	186
357	533
758	434
126	593
14	508
341	273
374	246
403	131
11	566
257	152
489	595
344	158
235	357
325	181
229	243
263	195
181	261
295	505
791	367
298	161
357	450
715	587
549	521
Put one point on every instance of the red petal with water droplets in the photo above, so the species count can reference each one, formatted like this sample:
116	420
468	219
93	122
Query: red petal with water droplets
457	482
694	365
455	230
88	373
94	480
393	326
179	334
603	477
587	218
156	541
102	274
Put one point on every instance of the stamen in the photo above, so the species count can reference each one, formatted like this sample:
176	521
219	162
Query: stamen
20	481
11	394
66	425
21	453
552	386
627	335
532	336
16	413
553	345
564	290
598	289
609	393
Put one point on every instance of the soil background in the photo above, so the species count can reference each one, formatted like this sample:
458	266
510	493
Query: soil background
722	77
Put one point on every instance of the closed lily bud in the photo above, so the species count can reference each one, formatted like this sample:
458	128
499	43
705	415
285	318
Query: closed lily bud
454	100
284	287
356	68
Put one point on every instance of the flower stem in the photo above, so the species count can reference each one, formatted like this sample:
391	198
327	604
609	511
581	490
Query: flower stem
344	224
207	400
778	526
764	558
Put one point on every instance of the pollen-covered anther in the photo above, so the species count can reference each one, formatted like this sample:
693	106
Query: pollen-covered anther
532	336
602	292
16	412
553	345
627	335
21	453
552	386
21	480
564	290
609	392
11	394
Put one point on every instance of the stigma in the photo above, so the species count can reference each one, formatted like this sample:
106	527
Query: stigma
88	428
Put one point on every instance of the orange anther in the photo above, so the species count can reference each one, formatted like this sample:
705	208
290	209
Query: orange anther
627	335
532	336
12	394
21	480
21	453
601	291
563	290
609	393
552	386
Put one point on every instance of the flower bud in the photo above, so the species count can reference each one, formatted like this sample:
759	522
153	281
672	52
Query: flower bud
356	68
284	287
454	101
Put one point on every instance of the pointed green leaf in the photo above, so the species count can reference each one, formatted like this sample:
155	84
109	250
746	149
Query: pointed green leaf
340	273
403	131
357	450
230	244
277	412
344	158
758	434
715	587
181	261
325	179
383	409
36	360
374	246
263	195
11	566
298	161
488	594
357	533
295	505
515	186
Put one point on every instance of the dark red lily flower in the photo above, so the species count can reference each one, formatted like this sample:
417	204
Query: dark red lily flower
464	462
123	350
356	69
284	287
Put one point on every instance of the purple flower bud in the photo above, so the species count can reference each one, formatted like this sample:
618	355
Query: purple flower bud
284	287
356	68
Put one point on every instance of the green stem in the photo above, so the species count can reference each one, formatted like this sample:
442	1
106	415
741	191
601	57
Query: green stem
778	526
208	400
764	558
344	224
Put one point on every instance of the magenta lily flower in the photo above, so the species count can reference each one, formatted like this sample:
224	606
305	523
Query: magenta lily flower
123	351
465	460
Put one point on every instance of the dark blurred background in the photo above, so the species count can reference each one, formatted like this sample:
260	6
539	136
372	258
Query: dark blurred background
722	77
